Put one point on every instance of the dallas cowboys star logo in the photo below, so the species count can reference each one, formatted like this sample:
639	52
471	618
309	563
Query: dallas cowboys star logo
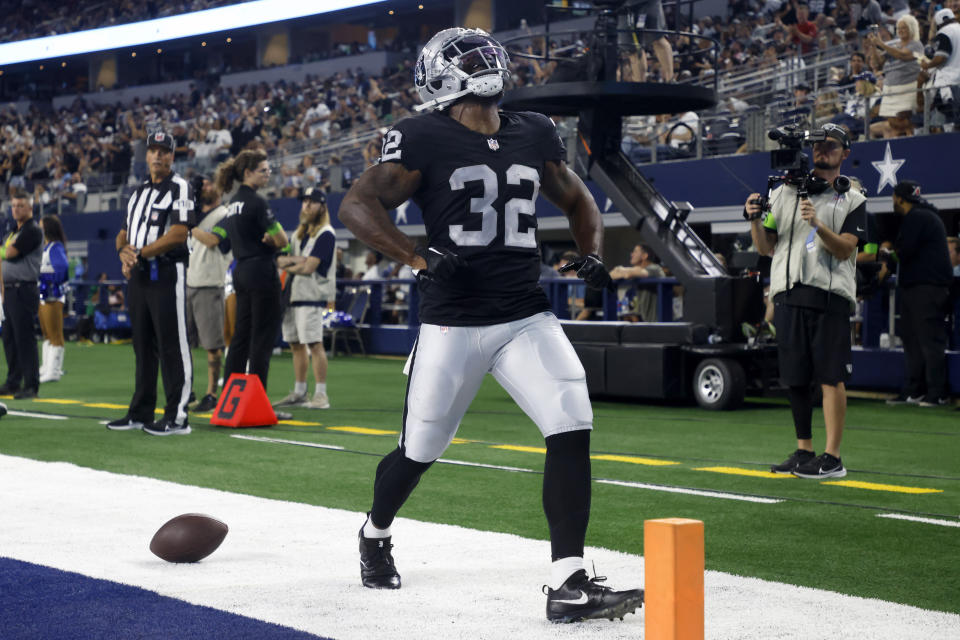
402	213
888	168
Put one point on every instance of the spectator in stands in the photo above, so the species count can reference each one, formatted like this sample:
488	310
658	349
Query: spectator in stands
900	73
798	113
946	63
923	284
74	198
953	243
309	288
53	277
309	172
803	32
372	263
641	301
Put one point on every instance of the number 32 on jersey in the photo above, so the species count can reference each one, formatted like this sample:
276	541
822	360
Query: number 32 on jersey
512	210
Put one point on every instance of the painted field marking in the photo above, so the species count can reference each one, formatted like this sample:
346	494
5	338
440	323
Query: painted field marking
300	423
363	430
653	462
461	463
105	405
900	516
298	443
873	486
753	473
461	441
28	414
515	447
692	492
57	401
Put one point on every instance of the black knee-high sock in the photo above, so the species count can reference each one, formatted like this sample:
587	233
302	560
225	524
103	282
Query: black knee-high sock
397	475
566	492
801	404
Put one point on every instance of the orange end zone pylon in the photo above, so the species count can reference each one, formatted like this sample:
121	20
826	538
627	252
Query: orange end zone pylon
243	403
673	582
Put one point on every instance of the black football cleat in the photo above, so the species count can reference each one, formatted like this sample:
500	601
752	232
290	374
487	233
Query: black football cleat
377	570
583	598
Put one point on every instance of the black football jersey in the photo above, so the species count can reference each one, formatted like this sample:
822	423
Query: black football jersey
477	195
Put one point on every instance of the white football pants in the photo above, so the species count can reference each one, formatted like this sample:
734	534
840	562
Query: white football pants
531	358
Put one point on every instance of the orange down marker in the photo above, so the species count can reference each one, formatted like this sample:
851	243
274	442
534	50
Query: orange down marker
673	581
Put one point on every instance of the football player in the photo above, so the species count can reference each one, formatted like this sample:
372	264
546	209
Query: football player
476	172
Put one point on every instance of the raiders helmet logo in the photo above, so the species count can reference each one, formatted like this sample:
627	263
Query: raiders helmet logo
493	144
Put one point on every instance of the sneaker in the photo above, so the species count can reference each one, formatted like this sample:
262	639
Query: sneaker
927	402
583	598
283	415
377	570
318	401
3	409
797	458
25	394
167	427
904	398
207	403
126	423
293	398
823	466
7	390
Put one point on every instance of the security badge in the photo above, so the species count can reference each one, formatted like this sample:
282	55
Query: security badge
493	143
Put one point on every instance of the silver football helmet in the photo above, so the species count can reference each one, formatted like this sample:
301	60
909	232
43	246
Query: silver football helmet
457	62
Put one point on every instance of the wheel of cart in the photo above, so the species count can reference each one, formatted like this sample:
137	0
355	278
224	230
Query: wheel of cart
719	383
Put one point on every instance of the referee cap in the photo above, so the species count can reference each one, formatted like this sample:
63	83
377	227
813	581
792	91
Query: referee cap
314	194
161	138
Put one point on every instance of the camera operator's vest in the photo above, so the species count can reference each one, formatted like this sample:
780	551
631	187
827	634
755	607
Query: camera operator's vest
949	72
817	267
313	288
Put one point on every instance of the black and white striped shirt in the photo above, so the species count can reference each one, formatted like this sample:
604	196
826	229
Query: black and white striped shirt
153	208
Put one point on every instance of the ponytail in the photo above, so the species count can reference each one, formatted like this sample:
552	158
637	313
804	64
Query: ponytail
234	169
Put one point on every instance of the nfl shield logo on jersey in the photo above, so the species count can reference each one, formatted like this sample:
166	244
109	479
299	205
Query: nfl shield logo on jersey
493	144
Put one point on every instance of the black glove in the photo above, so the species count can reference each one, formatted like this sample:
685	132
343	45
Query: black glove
441	263
590	269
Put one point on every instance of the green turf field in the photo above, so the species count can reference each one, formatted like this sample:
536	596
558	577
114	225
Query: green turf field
819	534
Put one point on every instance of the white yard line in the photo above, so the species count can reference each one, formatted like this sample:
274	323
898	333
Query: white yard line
28	414
297	565
692	492
300	443
900	516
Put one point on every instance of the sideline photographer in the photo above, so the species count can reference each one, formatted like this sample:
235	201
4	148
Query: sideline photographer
812	225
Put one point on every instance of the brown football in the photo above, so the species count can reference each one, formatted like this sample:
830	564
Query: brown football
188	538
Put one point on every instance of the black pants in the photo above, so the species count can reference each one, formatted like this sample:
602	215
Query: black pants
21	301
259	315
158	318
924	333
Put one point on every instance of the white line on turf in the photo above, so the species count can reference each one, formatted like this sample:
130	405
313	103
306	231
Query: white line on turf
281	441
693	492
900	516
485	466
28	414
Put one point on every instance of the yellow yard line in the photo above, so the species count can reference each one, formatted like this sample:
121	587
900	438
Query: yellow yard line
653	462
514	447
57	401
105	405
873	486
363	430
300	423
753	473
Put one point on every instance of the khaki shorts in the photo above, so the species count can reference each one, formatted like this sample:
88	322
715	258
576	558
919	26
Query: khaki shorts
205	312
303	325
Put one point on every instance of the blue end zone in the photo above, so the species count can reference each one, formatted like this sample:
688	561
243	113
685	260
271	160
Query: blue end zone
40	602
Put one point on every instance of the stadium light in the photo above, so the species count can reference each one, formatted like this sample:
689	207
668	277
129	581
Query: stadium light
237	16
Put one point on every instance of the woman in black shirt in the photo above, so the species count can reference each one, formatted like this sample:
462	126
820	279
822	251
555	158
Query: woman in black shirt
253	234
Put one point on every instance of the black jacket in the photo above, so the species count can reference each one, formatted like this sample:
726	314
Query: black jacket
922	249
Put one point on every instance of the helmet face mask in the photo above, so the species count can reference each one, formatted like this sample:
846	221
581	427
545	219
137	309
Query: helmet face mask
457	62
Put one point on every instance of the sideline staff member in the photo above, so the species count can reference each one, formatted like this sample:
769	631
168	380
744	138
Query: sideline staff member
22	254
254	235
813	242
153	249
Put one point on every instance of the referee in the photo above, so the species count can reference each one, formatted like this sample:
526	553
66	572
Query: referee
22	253
153	249
253	234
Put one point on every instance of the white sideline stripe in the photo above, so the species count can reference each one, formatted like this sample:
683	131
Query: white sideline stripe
900	516
692	492
485	466
315	445
28	414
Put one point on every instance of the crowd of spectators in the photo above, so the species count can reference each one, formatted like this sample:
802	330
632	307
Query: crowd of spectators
25	19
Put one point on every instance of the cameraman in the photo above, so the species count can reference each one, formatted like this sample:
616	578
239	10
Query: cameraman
813	241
